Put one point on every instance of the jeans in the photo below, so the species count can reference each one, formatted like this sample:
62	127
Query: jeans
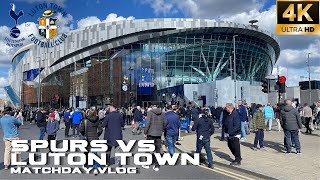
51	137
66	131
157	144
205	142
95	163
243	130
268	121
294	135
42	132
74	127
222	133
234	146
259	138
171	141
220	122
307	124
117	160
137	128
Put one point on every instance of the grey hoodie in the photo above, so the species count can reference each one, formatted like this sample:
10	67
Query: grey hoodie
155	123
290	118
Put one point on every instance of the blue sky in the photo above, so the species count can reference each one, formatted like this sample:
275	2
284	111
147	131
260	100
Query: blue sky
263	10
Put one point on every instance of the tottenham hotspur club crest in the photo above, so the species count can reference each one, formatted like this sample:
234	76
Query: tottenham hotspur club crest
47	25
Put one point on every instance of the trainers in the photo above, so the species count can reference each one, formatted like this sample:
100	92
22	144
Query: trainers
254	148
95	172
263	149
288	152
145	166
6	167
298	152
155	168
210	166
235	163
243	139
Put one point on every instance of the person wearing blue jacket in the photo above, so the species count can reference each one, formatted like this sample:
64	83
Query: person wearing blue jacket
172	129
243	117
232	125
10	132
205	128
52	128
76	119
268	114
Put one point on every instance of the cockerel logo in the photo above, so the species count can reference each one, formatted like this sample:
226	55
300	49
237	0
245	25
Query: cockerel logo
15	32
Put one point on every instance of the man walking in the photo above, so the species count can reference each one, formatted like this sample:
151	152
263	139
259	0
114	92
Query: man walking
137	117
172	128
76	119
41	122
307	114
66	117
205	129
243	117
155	126
232	126
113	124
268	114
291	123
10	132
258	126
194	114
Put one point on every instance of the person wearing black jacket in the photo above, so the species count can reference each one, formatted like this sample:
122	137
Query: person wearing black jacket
232	125
218	114
205	128
137	117
91	128
113	124
41	122
223	116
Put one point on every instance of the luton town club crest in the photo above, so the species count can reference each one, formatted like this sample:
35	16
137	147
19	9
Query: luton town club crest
47	25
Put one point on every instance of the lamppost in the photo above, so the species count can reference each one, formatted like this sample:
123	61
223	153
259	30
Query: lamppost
130	85
309	80
234	70
39	88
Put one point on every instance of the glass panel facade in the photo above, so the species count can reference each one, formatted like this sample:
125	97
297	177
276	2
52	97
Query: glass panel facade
196	58
17	59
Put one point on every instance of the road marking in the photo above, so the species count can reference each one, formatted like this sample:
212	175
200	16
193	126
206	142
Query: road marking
227	173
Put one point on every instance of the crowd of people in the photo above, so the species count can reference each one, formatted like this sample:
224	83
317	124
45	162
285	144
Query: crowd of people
235	123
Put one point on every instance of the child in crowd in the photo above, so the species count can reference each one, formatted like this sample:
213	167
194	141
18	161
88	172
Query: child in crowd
52	128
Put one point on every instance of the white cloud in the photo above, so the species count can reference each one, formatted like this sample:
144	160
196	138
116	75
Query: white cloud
65	23
91	20
161	6
88	21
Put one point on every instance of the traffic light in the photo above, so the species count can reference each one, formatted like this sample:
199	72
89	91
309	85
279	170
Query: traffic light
282	84
265	86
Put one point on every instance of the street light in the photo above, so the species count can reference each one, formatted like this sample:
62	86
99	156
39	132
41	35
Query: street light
130	88
39	88
309	79
234	69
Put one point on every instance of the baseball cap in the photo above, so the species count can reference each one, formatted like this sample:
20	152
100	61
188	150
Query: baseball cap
51	115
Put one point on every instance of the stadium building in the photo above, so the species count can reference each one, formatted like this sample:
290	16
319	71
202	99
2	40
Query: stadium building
145	60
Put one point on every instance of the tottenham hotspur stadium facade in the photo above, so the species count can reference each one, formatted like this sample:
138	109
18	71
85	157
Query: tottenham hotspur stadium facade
141	61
